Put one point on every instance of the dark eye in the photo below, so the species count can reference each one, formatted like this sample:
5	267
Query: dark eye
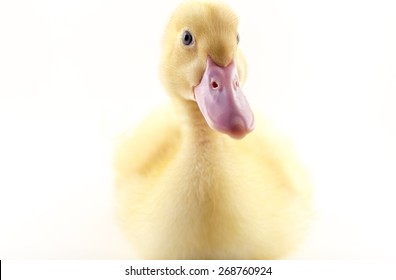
238	38
187	38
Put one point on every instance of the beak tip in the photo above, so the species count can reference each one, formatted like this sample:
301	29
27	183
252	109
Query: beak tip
238	129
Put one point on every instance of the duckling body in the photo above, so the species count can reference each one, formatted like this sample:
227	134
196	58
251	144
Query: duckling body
188	191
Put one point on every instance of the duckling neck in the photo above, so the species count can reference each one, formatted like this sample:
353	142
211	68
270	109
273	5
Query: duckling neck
195	130
202	151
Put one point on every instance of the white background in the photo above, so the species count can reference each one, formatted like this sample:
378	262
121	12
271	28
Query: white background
73	74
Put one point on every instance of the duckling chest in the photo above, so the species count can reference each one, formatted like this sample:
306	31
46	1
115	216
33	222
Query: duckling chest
200	183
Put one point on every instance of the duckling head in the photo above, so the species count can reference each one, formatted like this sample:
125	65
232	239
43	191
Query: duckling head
201	63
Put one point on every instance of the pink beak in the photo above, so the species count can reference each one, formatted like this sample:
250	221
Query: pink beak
222	102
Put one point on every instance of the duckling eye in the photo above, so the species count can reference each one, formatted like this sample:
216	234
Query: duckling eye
187	38
237	38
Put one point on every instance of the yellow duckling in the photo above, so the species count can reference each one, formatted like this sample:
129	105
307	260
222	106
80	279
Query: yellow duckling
188	185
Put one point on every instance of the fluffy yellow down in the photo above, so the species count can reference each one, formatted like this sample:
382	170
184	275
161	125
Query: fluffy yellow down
185	191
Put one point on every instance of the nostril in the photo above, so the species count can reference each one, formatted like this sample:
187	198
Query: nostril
214	85
236	83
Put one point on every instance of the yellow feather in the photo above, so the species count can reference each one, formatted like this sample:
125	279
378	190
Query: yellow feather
185	191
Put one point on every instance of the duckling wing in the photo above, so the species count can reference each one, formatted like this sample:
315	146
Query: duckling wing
148	148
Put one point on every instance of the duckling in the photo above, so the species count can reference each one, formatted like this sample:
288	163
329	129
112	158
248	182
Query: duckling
202	178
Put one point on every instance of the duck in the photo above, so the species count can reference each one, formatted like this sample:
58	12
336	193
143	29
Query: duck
203	177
